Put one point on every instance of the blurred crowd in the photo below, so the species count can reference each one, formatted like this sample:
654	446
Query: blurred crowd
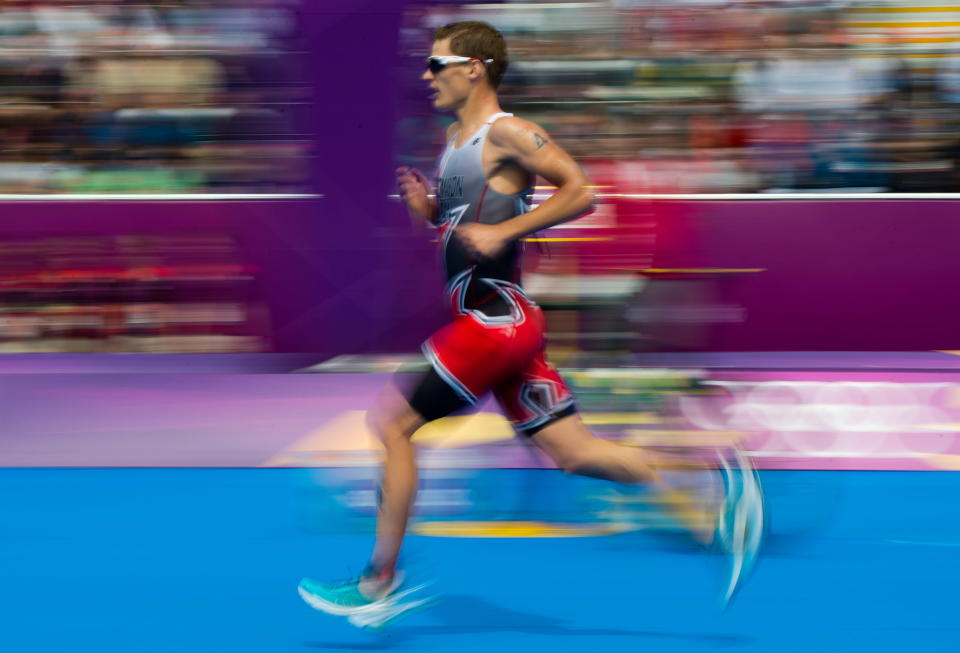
149	96
733	96
184	292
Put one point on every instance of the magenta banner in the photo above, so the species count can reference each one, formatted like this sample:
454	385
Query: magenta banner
764	275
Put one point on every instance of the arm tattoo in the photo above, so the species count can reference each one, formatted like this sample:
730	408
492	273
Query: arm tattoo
538	140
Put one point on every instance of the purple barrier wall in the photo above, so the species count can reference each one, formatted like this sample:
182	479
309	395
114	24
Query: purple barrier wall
327	288
842	275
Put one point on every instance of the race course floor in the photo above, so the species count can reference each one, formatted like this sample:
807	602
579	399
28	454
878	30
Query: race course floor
209	559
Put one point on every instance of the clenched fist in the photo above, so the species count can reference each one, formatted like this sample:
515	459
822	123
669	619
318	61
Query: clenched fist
415	192
481	240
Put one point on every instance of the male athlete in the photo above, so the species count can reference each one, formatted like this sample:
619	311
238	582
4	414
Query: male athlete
495	342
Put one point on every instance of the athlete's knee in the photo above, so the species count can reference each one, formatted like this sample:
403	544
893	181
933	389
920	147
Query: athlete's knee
393	427
382	426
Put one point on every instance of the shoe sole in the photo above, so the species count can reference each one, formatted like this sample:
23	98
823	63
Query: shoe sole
375	623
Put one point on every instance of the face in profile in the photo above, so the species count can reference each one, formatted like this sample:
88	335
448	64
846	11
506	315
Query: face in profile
450	86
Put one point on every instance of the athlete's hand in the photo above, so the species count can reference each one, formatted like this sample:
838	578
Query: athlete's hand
415	192
482	240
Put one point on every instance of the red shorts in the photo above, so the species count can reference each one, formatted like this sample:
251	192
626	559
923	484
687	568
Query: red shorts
477	353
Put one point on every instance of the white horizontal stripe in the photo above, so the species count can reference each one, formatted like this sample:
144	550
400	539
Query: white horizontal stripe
168	197
906	455
904	29
538	6
586	64
782	196
766	196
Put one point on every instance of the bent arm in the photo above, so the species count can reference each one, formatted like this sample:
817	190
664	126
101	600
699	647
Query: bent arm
528	146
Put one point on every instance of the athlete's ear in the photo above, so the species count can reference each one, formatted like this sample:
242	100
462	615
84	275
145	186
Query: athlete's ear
476	70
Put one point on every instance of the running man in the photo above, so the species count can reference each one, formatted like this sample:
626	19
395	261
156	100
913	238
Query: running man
495	342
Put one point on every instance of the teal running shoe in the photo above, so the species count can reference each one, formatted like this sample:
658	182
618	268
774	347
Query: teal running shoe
741	522
342	599
373	614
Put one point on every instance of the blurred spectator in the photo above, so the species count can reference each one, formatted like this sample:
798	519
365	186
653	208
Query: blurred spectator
111	96
948	78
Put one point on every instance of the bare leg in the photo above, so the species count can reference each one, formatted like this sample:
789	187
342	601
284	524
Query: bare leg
571	445
394	422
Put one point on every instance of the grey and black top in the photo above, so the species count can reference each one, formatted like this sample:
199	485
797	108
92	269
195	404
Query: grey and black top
464	195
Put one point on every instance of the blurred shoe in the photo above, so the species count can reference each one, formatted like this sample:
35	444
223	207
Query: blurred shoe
741	520
343	599
346	600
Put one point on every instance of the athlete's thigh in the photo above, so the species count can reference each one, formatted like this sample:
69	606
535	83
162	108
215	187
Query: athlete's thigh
431	396
473	358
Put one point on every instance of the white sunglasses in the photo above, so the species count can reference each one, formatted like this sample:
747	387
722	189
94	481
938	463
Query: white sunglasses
437	63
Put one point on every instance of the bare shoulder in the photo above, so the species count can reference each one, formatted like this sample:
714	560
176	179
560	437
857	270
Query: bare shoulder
523	136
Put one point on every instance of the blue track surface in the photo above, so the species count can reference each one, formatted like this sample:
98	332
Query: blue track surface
208	560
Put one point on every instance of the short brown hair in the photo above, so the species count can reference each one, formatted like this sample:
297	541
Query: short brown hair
473	38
